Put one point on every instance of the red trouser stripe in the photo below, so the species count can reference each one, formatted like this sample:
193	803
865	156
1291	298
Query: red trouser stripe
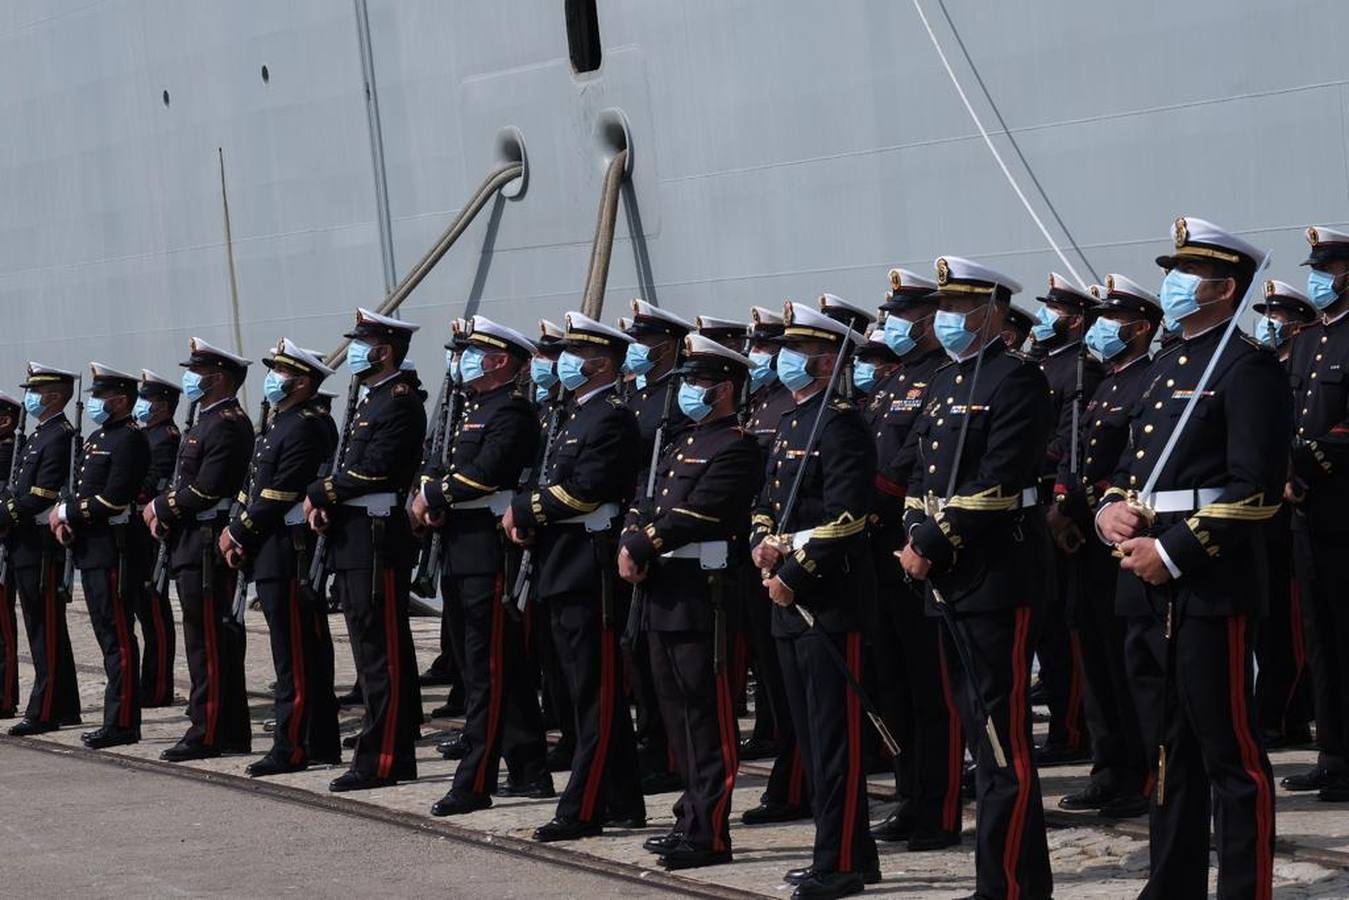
123	649
595	777
53	666
1299	647
1021	761
395	689
10	673
495	679
854	779
729	758
1250	757
212	663
955	746
163	684
297	664
1073	720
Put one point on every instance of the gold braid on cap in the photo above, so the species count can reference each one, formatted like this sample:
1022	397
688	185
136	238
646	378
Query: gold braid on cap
1110	284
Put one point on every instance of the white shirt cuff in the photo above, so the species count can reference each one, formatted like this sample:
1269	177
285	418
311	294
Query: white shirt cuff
1096	525
1166	560
61	512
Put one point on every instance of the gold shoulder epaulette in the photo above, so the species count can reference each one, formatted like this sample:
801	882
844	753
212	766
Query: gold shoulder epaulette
401	388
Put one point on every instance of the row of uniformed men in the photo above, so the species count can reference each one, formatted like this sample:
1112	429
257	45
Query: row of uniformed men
941	469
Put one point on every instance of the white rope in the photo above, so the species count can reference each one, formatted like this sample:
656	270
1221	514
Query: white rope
936	45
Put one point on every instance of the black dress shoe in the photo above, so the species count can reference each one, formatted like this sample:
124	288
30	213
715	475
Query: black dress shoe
805	873
1059	755
686	856
926	838
184	751
453	804
1315	778
1128	805
767	813
1277	739
660	843
26	727
559	758
358	781
326	759
270	765
757	748
827	885
540	788
1093	796
566	830
456	747
1335	790
113	737
434	677
353	697
627	821
661	783
97	732
897	826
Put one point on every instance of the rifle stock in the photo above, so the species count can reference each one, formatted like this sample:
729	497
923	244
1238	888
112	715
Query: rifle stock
318	569
525	576
424	582
67	585
159	577
240	605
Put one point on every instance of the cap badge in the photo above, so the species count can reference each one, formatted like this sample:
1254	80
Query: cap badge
1313	237
895	281
943	271
1182	232
1269	287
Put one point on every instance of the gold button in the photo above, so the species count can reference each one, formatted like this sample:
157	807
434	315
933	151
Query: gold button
1302	431
1093	442
1147	429
690	440
1318	357
1313	374
679	456
793	423
1324	338
878	434
1157	405
950	399
777	483
960	379
940	421
1088	459
1183	360
1170	382
1304	410
1133	479
931	469
664	491
934	445
1098	423
1141	453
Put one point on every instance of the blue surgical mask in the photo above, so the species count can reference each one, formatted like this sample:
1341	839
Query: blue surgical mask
761	370
192	388
693	401
470	365
571	369
898	335
1170	325
865	376
456	367
1043	329
98	410
141	411
32	402
793	369
950	330
1179	291
275	387
1104	339
638	360
542	372
1321	288
541	393
1268	331
358	357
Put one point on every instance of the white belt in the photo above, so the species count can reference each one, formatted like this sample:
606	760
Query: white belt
498	502
1182	501
295	515
602	519
375	505
710	554
206	515
121	518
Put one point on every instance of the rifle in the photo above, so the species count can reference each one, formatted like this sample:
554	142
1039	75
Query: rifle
425	582
159	577
634	623
782	542
520	593
68	496
241	581
19	441
318	569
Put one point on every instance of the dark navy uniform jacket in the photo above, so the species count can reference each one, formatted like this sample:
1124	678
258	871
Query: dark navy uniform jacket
6	459
985	543
1104	434
214	463
891	415
116	458
43	471
163	440
285	460
384	452
1060	368
495	441
831	572
648	404
766	406
1236	442
593	461
705	484
1319	375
